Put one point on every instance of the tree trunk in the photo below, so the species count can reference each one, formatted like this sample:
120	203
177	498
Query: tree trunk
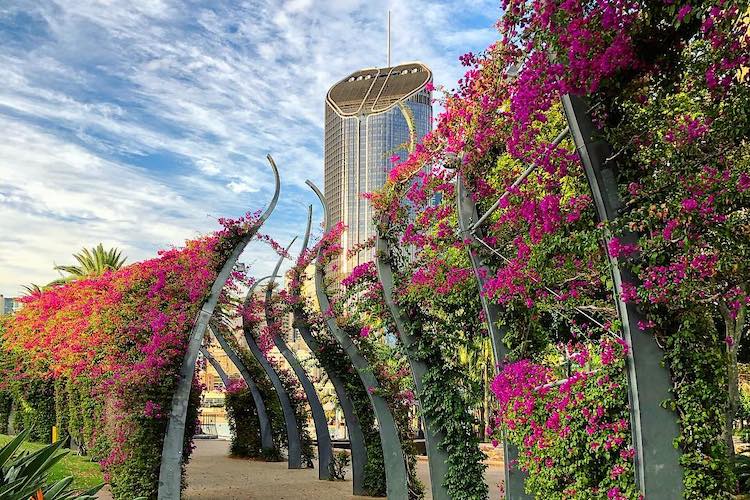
733	328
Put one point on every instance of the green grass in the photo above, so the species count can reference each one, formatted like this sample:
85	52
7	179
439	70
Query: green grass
87	474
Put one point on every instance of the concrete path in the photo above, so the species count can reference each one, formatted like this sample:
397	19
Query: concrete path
211	474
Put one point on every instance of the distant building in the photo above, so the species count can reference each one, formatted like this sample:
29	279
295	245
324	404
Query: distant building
9	305
365	125
212	414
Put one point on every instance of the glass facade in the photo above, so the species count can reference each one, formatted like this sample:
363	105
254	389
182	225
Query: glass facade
365	126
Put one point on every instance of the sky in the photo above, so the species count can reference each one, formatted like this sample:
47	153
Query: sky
139	123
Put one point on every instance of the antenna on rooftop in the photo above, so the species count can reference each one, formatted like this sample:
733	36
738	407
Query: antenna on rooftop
389	38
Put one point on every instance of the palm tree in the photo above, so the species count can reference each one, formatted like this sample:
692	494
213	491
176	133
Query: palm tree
33	289
92	262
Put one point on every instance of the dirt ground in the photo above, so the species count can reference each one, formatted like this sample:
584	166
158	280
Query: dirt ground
212	475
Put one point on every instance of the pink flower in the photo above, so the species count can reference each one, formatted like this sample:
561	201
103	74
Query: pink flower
683	12
616	471
689	204
646	325
617	248
669	229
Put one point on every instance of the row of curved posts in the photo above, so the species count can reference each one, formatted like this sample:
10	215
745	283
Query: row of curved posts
325	448
467	216
356	436
437	458
217	366
654	428
396	478
266	432
294	444
170	472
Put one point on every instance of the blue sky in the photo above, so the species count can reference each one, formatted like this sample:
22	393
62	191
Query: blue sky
138	123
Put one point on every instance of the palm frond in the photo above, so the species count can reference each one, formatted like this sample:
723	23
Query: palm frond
92	262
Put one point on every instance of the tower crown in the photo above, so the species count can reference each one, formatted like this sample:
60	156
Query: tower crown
376	90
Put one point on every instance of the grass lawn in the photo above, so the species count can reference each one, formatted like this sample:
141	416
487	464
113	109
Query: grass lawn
86	473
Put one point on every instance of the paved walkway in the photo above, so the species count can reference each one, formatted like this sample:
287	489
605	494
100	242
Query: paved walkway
211	474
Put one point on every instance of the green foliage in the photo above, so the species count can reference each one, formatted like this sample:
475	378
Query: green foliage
6	403
35	408
87	473
338	466
701	405
62	415
444	324
23	475
90	263
332	356
137	474
268	394
742	471
243	423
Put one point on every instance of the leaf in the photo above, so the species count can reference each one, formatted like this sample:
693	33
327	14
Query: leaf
9	449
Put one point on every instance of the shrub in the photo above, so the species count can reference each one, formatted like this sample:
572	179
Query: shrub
340	462
243	422
24	475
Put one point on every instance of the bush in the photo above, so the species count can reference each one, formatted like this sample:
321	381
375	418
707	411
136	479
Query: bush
243	422
35	409
6	403
24	475
340	462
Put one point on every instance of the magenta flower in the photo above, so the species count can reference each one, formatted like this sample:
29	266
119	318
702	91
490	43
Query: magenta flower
683	12
689	204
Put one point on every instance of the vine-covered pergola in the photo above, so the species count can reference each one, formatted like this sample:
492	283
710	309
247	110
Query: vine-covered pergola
581	209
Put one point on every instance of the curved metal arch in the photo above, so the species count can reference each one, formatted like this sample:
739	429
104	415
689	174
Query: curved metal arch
358	447
266	432
217	366
396	477
294	444
653	427
170	471
467	216
325	448
437	458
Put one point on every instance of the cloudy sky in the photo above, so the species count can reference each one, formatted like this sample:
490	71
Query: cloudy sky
138	123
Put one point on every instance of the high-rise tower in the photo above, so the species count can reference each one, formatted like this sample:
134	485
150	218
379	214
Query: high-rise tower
365	126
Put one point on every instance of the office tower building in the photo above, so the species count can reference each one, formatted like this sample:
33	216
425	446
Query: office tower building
365	125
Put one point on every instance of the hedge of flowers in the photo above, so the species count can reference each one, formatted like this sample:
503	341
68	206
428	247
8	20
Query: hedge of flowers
668	85
117	342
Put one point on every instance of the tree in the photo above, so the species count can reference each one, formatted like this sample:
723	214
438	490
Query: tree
92	262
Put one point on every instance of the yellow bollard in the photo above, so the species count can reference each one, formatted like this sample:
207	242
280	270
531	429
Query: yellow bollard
54	434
